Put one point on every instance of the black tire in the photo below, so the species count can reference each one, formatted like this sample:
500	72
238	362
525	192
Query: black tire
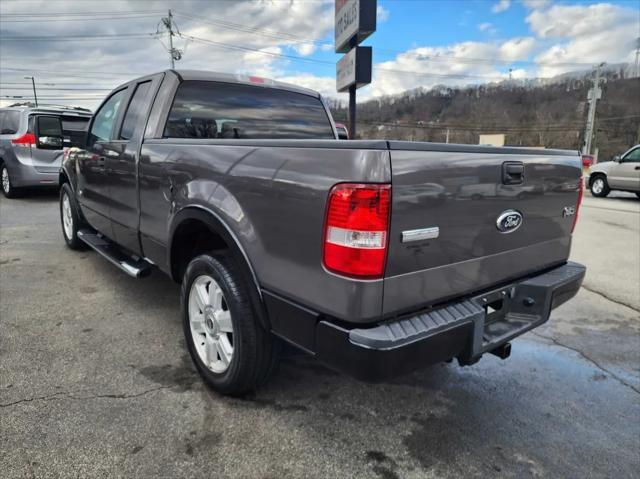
599	183
73	242
254	348
8	190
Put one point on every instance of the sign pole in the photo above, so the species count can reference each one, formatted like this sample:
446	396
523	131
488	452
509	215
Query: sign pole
352	98
355	20
352	112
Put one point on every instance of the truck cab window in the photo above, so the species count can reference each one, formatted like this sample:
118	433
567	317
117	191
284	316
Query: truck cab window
135	112
216	110
105	119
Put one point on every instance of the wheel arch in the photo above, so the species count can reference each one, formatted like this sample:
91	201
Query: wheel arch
222	236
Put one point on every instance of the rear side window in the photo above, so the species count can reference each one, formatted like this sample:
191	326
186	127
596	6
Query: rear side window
135	112
49	126
74	123
212	110
74	129
10	122
105	119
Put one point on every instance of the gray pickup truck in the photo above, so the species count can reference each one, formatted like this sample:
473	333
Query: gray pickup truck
377	257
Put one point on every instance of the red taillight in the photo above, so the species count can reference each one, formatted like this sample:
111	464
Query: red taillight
356	230
28	139
578	203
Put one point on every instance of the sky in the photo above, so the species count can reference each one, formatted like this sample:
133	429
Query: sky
78	50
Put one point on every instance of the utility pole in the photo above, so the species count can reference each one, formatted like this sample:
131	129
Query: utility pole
637	57
174	53
593	95
33	83
447	138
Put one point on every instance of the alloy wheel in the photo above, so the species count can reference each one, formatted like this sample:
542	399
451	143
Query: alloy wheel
6	183
211	324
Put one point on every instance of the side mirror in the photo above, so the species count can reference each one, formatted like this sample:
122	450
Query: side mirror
617	158
49	134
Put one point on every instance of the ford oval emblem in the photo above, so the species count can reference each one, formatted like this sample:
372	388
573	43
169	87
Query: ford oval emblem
509	221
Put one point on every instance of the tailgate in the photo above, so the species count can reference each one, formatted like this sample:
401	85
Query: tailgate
446	204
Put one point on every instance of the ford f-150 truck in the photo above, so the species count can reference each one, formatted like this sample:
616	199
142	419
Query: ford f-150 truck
370	255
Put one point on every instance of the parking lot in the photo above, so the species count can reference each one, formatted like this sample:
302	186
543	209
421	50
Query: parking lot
95	380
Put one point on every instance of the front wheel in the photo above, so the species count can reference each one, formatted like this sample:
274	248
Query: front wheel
600	187
227	343
70	218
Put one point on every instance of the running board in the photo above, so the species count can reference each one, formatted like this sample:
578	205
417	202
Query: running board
138	268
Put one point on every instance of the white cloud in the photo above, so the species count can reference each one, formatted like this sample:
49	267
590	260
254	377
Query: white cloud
501	6
266	26
583	34
484	26
305	49
382	14
325	85
535	4
456	64
517	48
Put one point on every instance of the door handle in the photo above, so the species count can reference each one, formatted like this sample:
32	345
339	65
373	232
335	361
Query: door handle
637	167
512	172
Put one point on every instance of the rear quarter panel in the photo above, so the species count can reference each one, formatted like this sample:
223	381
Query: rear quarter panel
272	196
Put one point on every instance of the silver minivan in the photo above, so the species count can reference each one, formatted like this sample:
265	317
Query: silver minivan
623	173
32	142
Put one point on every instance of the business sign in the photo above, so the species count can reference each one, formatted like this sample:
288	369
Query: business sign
355	19
354	69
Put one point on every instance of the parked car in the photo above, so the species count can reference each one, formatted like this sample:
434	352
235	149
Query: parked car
623	174
32	141
343	133
282	231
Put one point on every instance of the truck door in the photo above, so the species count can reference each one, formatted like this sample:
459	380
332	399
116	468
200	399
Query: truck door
121	169
625	175
93	188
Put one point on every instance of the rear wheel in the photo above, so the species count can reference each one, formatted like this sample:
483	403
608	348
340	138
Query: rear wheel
227	343
8	189
70	218
600	187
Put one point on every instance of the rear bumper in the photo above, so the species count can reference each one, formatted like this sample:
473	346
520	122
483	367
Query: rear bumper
465	329
28	175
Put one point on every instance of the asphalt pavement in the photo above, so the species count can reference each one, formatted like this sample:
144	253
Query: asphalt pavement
95	380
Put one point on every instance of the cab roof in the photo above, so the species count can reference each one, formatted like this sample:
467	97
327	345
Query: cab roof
202	75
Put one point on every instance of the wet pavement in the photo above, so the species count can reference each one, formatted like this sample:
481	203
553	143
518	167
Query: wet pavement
95	380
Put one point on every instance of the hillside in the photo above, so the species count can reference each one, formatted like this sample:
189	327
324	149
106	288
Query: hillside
551	115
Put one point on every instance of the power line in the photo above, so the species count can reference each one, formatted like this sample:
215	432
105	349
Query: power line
72	14
331	63
56	89
54	38
76	19
64	72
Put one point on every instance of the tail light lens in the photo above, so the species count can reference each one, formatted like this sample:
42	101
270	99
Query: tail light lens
356	230
28	139
578	203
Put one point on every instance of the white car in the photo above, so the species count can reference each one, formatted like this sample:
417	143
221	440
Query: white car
623	174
